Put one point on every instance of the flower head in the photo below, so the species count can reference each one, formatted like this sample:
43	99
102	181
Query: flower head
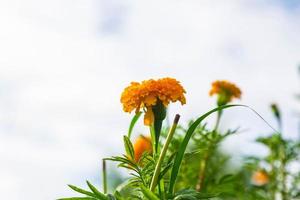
142	145
260	178
149	93
226	91
275	110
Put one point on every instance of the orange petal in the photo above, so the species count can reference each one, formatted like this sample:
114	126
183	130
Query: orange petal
142	145
150	100
149	117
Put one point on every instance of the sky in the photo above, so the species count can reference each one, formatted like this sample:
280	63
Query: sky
64	64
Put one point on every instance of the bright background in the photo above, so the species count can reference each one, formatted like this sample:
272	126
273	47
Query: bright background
64	63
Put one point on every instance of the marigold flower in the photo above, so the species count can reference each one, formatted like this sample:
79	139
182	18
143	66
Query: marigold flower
148	93
225	90
142	145
260	178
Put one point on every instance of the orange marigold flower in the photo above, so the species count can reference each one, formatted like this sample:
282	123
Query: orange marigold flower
146	94
260	178
225	90
142	145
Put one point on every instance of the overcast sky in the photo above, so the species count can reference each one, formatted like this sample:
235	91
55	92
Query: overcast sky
64	63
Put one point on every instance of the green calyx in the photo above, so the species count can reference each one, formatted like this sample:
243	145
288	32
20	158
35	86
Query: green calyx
160	112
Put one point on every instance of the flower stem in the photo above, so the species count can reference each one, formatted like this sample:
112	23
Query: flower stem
163	154
157	129
273	181
283	188
152	132
202	171
218	120
104	176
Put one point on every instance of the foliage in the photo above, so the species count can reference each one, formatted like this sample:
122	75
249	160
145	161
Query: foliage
188	162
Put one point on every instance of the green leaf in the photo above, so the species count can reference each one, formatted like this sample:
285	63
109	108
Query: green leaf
191	194
132	123
164	171
82	191
96	192
118	195
128	147
189	133
124	162
148	194
227	178
185	197
127	191
78	198
184	143
110	197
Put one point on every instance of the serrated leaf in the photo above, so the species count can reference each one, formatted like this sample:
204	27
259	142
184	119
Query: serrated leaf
96	192
110	197
128	147
118	195
185	197
148	194
132	123
164	171
82	191
227	178
190	194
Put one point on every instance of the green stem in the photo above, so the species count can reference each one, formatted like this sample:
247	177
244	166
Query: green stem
203	165
152	132
218	120
283	175
273	181
157	129
163	154
279	125
104	176
162	189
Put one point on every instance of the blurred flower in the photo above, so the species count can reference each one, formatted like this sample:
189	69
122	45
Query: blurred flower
225	90
260	178
142	144
275	110
149	93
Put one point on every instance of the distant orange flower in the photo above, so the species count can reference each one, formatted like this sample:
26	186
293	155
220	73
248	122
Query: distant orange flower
225	90
260	178
142	144
146	94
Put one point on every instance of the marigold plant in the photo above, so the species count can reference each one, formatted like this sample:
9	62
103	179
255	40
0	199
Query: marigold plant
186	162
225	90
